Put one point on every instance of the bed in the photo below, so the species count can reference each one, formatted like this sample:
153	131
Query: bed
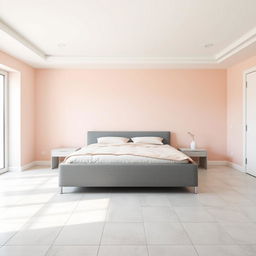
131	174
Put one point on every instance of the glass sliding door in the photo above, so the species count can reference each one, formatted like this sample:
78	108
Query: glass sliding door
3	122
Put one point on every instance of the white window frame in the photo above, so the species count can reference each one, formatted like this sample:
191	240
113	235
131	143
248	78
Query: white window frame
5	169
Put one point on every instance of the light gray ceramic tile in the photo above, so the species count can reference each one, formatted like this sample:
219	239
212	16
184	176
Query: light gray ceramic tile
7	230
159	214
23	250
123	250
80	234
124	214
184	200
193	214
175	250
124	201
154	200
211	200
19	213
228	214
123	234
87	216
73	250
166	233
36	198
234	198
66	197
57	213
224	250
94	201
242	233
250	212
207	233
34	233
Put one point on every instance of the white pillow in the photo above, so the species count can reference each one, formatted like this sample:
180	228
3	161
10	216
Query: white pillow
148	140
113	140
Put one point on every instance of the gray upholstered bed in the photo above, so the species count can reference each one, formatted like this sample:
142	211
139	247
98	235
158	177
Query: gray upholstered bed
128	175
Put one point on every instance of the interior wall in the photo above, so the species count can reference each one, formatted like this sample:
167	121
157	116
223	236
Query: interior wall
27	106
235	110
70	102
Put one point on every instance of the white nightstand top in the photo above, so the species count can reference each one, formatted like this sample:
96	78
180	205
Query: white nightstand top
63	152
198	152
189	149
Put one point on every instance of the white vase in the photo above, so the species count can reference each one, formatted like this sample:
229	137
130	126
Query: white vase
193	144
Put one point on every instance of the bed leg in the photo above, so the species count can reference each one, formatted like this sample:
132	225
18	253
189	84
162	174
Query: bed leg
61	190
195	190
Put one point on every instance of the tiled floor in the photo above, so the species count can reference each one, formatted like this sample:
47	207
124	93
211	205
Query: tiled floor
36	220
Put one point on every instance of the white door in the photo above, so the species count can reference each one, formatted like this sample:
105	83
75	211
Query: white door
3	122
251	123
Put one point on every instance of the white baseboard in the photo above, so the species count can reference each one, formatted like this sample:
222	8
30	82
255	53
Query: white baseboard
227	163
217	163
29	165
36	163
236	166
42	163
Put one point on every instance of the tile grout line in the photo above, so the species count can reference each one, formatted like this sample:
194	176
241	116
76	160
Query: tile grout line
143	205
52	244
105	222
146	238
185	230
144	229
190	239
5	244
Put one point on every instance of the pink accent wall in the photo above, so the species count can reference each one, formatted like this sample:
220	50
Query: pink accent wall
27	105
70	102
235	109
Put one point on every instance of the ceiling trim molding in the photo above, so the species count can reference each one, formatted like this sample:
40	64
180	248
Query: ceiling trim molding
21	39
243	42
127	60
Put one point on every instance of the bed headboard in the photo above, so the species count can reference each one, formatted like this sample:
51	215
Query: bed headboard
93	135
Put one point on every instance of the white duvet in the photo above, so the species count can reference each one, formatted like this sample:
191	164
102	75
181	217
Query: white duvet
127	153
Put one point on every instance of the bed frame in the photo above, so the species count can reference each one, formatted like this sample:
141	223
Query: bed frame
128	175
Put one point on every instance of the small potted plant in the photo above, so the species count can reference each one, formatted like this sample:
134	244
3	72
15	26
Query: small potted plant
193	143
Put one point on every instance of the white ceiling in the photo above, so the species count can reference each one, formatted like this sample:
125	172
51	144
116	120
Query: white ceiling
128	33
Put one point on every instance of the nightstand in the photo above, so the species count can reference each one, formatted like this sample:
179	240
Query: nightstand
201	154
60	152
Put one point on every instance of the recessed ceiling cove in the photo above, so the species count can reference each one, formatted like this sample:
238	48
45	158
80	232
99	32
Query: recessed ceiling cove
128	33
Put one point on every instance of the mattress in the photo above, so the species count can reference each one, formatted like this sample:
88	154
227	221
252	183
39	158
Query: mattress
123	159
127	153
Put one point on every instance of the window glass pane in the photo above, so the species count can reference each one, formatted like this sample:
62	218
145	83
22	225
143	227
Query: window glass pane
1	121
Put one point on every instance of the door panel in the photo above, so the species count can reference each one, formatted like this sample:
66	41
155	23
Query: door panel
251	123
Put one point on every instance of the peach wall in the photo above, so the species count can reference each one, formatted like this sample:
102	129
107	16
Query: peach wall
27	106
70	102
235	109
